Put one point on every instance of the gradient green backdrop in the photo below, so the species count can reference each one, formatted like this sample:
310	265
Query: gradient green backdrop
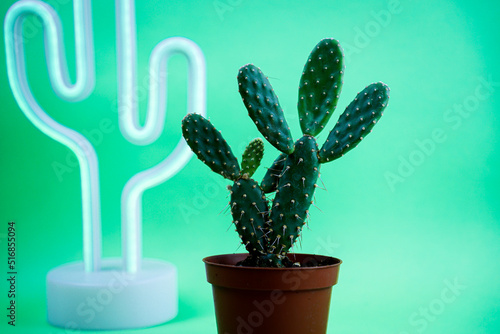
414	209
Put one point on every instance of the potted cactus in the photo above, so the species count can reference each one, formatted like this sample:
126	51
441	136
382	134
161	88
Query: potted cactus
270	289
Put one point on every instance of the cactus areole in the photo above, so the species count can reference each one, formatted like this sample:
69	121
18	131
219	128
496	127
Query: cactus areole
269	228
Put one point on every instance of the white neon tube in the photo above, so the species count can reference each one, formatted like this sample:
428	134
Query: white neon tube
131	200
59	77
61	83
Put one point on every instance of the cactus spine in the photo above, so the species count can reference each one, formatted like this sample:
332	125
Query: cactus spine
269	231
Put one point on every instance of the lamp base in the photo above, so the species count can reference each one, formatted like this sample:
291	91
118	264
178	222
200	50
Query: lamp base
112	298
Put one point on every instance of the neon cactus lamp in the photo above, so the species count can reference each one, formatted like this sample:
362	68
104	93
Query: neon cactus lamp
128	292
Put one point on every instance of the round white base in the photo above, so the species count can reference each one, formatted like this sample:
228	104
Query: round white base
111	298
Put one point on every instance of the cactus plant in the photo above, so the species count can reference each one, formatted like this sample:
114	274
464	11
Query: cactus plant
269	230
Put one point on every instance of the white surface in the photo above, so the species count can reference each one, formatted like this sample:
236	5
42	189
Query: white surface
112	298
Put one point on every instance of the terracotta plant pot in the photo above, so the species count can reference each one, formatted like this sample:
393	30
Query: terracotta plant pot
272	300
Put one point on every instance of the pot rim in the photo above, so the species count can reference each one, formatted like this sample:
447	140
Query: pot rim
222	272
210	260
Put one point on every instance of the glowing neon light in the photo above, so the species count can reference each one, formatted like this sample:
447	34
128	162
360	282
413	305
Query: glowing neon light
60	81
131	201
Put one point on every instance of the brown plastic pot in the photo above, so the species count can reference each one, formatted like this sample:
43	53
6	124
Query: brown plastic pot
252	300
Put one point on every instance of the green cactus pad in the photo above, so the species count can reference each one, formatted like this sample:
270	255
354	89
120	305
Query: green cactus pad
320	86
356	122
264	108
249	209
270	181
294	195
209	146
252	156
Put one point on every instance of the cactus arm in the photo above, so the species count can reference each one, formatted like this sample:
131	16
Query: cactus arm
252	156
320	86
356	122
249	209
270	181
264	108
209	146
294	195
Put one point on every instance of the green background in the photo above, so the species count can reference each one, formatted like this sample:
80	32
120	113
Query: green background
412	210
